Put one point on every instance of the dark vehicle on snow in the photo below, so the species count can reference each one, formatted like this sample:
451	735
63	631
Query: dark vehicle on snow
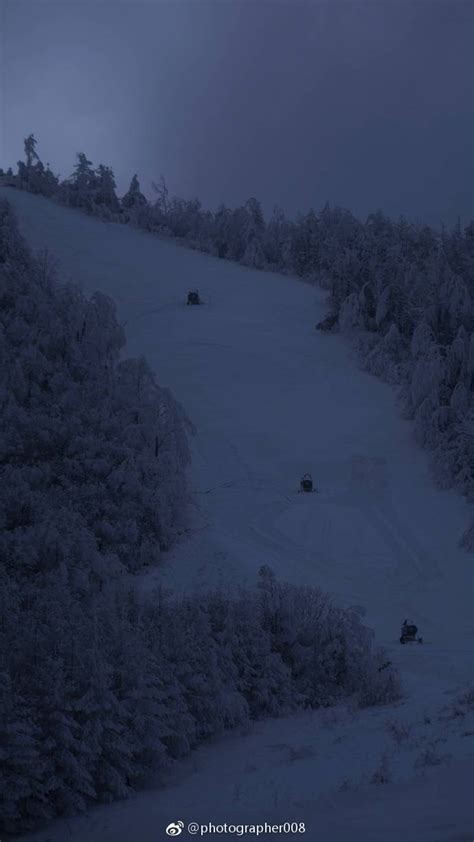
409	633
306	483
193	297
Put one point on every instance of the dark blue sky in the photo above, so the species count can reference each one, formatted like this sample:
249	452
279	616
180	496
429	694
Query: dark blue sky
364	104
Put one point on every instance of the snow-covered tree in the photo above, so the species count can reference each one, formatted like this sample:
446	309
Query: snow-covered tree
104	189
30	150
162	202
80	188
276	239
133	198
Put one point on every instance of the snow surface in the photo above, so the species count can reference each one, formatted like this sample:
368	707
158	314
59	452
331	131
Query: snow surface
272	398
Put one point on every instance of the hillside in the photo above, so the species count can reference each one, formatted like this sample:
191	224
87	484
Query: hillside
270	399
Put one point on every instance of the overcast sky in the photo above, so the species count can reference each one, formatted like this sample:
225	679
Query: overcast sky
364	104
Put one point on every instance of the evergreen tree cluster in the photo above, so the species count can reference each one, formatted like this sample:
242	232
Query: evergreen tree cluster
91	190
93	451
411	314
404	291
100	690
32	174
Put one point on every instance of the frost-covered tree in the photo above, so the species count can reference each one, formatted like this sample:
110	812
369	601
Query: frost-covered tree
32	174
253	255
389	357
254	225
162	201
80	188
221	230
30	150
133	198
104	189
276	239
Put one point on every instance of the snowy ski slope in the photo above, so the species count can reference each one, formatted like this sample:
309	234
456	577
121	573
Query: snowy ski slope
272	398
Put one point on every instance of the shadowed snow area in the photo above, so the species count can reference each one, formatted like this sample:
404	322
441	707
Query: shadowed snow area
272	398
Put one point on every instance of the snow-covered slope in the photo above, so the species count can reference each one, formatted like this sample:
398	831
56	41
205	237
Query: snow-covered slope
271	398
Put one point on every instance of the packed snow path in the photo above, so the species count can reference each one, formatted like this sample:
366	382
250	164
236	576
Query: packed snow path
271	398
